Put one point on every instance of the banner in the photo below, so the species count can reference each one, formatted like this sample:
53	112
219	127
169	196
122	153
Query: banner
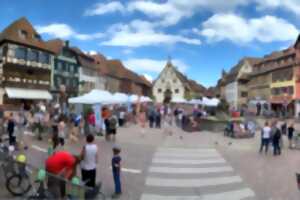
98	117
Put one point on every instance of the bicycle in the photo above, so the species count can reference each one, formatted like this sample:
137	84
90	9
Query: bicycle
17	180
41	193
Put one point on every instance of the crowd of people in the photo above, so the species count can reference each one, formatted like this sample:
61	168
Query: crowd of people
49	122
272	133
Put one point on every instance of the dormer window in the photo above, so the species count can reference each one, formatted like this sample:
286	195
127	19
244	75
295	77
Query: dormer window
37	37
23	34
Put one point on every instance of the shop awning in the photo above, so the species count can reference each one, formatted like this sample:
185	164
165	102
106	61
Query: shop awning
22	93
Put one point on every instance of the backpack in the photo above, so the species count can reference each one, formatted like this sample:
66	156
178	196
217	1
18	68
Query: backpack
112	123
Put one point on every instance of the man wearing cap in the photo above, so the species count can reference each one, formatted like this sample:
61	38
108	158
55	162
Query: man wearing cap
62	164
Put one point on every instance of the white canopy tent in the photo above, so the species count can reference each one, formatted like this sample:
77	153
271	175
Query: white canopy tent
120	98
94	97
205	102
210	102
105	97
178	100
143	99
196	101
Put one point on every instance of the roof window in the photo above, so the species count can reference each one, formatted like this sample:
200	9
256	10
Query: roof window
23	34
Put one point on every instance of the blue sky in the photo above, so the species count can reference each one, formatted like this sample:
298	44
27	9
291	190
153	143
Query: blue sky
201	36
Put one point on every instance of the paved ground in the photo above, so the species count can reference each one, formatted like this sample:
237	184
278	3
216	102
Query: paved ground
191	166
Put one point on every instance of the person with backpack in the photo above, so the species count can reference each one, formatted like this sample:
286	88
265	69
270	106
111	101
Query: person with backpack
112	128
11	124
291	131
276	141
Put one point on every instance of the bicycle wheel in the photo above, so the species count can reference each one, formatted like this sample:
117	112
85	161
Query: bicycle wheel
18	185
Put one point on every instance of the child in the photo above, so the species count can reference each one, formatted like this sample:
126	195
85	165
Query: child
116	170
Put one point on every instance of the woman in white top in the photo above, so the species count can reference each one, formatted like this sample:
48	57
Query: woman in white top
89	156
61	132
265	137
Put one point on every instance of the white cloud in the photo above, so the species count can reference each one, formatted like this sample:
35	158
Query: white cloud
239	30
102	8
288	5
151	65
172	11
148	77
65	31
127	51
142	33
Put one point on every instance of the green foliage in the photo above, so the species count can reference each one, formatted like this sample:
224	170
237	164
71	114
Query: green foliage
223	106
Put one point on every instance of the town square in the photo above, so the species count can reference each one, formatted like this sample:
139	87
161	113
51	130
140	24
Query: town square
150	100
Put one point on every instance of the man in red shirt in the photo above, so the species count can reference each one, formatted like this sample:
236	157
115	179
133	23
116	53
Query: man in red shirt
62	164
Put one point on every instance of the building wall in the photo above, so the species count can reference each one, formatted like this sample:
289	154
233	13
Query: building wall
231	94
243	93
259	87
91	79
15	70
112	84
168	80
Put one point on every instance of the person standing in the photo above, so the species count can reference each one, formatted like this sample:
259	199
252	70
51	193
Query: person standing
284	128
21	123
121	117
158	118
91	122
112	128
291	135
265	137
89	160
276	141
61	132
11	129
116	171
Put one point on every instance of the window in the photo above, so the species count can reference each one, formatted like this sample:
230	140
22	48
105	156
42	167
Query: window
58	81
290	90
37	36
162	80
44	58
5	50
23	34
159	90
75	83
64	66
59	66
71	68
174	80
244	94
21	53
33	55
176	91
67	82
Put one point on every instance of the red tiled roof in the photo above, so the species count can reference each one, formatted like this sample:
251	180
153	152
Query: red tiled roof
12	34
56	45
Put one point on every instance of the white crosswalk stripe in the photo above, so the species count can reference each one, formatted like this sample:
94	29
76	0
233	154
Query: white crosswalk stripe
182	170
190	162
174	171
232	195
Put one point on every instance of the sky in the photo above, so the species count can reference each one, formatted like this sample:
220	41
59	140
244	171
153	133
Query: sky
202	37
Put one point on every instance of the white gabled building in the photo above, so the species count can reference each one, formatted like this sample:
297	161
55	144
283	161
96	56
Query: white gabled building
172	84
